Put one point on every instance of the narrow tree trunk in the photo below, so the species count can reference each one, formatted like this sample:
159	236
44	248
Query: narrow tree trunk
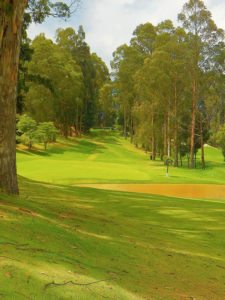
168	137
165	136
176	159
80	125
11	20
131	129
77	121
125	122
193	121
202	143
153	136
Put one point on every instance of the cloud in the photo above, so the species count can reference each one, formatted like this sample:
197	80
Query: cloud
110	23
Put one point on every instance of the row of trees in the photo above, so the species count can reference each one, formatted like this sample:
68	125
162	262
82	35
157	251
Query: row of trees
170	84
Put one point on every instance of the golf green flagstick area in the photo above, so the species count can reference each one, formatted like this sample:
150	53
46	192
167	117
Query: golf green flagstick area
60	241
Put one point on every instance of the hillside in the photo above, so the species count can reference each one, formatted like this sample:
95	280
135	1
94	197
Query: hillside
64	242
143	244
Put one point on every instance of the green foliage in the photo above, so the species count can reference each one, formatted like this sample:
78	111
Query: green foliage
107	105
37	11
46	133
29	132
94	71
58	88
26	127
170	84
65	81
40	9
220	139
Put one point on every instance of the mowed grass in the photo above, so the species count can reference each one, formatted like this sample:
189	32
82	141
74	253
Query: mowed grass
58	241
105	157
141	246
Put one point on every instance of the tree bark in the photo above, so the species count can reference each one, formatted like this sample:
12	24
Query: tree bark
202	143
153	135
176	159
125	122
165	135
168	137
193	121
11	19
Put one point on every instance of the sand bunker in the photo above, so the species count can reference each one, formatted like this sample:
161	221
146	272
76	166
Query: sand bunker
196	191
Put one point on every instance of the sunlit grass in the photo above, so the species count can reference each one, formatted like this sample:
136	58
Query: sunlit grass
130	246
147	246
108	158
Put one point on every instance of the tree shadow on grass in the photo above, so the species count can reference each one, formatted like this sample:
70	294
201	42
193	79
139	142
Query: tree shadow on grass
81	146
25	152
33	152
107	137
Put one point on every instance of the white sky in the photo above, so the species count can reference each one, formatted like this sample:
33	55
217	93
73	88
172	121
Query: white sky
110	23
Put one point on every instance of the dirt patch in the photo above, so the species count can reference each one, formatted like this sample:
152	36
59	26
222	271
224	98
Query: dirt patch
194	191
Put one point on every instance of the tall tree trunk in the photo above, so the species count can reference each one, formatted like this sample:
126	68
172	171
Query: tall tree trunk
181	161
202	142
125	122
193	121
11	19
165	135
77	121
176	159
153	136
168	136
131	129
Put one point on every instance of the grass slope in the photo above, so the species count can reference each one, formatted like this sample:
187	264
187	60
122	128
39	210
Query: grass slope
150	247
108	158
141	246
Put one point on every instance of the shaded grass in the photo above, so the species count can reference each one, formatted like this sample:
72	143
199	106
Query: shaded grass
150	247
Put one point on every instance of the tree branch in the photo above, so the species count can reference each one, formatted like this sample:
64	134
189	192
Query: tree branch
54	284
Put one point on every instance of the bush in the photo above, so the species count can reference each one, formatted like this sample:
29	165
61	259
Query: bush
27	127
46	133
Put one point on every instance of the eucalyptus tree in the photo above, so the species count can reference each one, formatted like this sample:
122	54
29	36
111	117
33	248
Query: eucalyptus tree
57	66
203	38
11	22
94	71
125	63
107	105
144	39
